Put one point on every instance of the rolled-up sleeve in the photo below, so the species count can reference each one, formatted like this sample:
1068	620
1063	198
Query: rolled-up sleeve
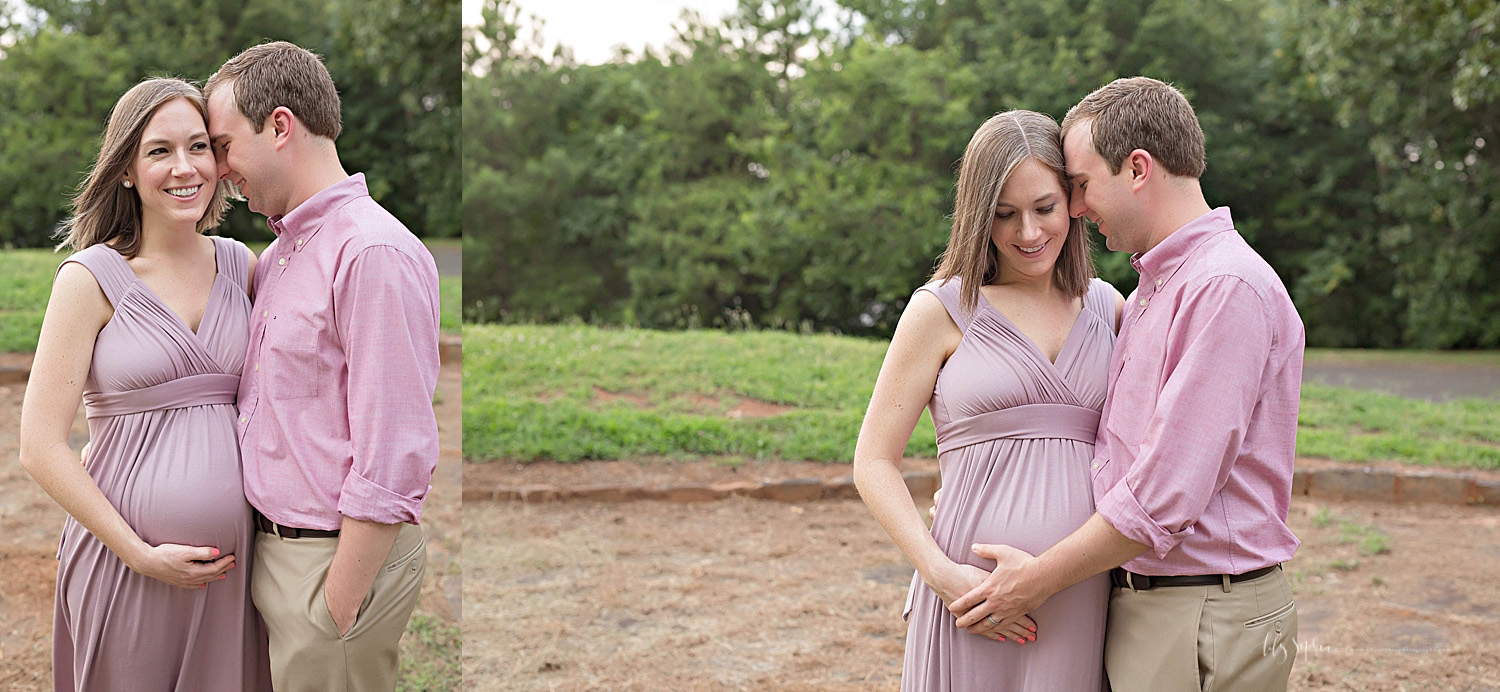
1215	356
387	317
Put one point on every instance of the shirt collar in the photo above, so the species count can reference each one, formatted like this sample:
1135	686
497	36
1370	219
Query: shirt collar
308	217
1168	255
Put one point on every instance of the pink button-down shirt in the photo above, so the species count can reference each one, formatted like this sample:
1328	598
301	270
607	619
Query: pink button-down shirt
335	404
1198	436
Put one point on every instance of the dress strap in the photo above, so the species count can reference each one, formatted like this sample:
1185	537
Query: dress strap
950	292
233	260
1025	422
1101	300
108	267
193	390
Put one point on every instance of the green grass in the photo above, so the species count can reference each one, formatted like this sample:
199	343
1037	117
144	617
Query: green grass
573	392
1323	518
536	399
430	652
1351	425
451	297
1367	539
26	283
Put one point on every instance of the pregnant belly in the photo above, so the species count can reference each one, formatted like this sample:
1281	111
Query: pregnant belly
200	509
1025	501
179	483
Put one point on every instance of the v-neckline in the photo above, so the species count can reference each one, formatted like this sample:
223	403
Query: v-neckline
207	306
1067	340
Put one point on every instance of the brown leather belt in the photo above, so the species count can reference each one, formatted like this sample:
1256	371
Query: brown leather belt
1144	582
275	529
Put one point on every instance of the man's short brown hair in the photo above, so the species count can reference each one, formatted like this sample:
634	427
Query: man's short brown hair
1142	113
277	74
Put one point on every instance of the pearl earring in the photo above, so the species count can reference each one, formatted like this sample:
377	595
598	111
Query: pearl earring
127	183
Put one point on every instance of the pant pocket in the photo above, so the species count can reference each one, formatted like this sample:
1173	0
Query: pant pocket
1271	616
1277	633
410	555
325	618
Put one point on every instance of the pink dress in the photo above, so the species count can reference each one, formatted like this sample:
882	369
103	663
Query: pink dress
1015	439
160	403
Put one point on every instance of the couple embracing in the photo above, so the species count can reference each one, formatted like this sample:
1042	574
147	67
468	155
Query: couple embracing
1116	473
261	430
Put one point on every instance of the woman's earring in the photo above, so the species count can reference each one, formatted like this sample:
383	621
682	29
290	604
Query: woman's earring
127	183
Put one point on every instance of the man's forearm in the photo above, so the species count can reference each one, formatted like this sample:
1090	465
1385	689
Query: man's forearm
363	546
1095	547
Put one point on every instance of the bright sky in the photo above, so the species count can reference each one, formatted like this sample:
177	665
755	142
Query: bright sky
592	28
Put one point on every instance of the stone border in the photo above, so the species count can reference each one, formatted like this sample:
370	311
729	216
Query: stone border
14	374
450	349
1354	483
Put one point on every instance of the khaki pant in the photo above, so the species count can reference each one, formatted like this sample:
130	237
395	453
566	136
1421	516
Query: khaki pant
307	653
1179	638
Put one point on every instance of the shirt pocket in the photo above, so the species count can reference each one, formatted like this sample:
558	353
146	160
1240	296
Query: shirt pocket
296	368
1134	400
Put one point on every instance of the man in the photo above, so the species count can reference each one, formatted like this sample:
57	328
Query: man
336	425
1193	465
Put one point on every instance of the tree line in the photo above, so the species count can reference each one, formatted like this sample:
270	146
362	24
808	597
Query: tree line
792	165
63	63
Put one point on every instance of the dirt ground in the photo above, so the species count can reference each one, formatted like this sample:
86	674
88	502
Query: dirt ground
758	595
30	523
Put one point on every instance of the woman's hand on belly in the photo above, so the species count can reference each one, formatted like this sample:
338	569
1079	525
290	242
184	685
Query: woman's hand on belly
183	566
960	579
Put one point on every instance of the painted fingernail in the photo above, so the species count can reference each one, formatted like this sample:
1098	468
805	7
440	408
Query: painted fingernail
1031	629
216	552
1032	638
222	577
1002	639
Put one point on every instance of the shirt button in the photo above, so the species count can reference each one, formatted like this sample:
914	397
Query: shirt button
1096	467
281	261
265	313
300	241
1143	302
243	419
1158	281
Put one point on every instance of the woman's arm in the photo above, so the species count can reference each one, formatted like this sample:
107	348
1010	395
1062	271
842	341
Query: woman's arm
925	337
75	313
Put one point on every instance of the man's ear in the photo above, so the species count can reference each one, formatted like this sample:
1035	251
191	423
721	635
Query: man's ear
1141	166
283	124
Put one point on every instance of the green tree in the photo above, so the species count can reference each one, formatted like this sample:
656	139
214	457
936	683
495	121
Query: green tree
770	170
70	60
1419	77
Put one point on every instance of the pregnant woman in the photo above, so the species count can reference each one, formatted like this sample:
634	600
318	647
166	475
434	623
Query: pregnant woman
147	324
1009	347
